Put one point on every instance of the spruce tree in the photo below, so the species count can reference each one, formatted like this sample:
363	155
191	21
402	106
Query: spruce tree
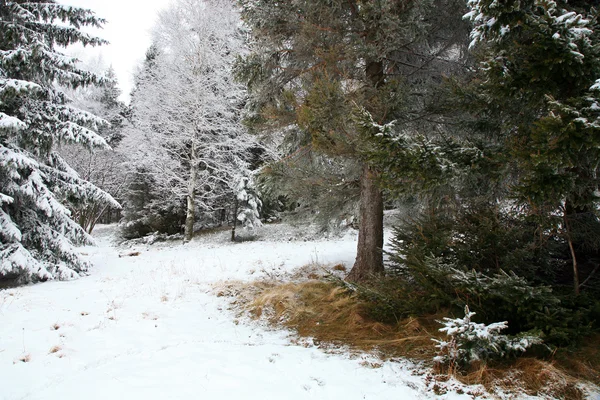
313	64
36	230
146	208
247	206
515	177
540	69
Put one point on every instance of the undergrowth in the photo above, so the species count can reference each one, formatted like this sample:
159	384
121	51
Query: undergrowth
335	316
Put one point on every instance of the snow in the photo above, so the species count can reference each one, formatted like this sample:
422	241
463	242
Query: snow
152	327
7	122
19	86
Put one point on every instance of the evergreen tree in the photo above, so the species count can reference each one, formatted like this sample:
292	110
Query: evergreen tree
146	209
511	183
314	63
36	230
543	56
247	206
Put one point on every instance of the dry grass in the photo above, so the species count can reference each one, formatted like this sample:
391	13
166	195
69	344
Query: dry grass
25	358
330	314
527	375
333	316
562	376
584	363
54	349
339	267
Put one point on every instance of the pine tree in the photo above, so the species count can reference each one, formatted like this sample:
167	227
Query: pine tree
36	228
314	63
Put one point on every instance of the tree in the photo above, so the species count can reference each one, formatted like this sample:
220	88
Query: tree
247	205
187	107
513	182
543	56
146	208
37	231
313	64
102	167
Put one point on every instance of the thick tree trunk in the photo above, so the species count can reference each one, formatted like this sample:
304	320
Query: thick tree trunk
369	254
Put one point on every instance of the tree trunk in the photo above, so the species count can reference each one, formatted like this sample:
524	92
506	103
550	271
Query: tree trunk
369	254
191	204
235	211
574	213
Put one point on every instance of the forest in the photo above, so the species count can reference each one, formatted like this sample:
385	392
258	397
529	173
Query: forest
475	123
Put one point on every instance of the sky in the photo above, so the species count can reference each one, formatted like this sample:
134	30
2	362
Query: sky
127	30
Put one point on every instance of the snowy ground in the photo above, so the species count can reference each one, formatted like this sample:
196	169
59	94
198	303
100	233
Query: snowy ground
151	327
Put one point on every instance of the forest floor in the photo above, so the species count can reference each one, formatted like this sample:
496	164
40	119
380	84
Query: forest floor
148	322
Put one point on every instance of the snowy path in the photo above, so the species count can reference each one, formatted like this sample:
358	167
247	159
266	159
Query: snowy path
150	327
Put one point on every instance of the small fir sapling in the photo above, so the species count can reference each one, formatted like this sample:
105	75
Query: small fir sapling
247	206
470	341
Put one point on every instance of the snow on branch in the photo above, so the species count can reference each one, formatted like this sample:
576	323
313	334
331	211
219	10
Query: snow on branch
4	199
16	159
17	86
494	21
76	187
14	258
74	133
8	230
11	123
469	341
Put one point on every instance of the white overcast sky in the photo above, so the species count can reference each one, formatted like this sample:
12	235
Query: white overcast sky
127	30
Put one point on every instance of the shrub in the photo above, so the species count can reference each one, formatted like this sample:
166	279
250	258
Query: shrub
495	263
470	341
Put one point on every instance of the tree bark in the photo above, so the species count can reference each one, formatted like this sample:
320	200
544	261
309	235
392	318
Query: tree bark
369	250
235	211
369	253
191	204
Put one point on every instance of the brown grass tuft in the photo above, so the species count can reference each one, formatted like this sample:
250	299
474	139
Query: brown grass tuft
339	267
24	358
55	349
525	375
331	314
584	363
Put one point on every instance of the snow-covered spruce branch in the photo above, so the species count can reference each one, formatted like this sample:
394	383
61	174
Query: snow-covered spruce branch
469	341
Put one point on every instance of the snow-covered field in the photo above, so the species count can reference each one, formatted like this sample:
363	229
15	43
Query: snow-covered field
151	327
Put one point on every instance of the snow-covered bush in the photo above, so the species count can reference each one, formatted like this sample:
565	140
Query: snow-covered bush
469	341
249	204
